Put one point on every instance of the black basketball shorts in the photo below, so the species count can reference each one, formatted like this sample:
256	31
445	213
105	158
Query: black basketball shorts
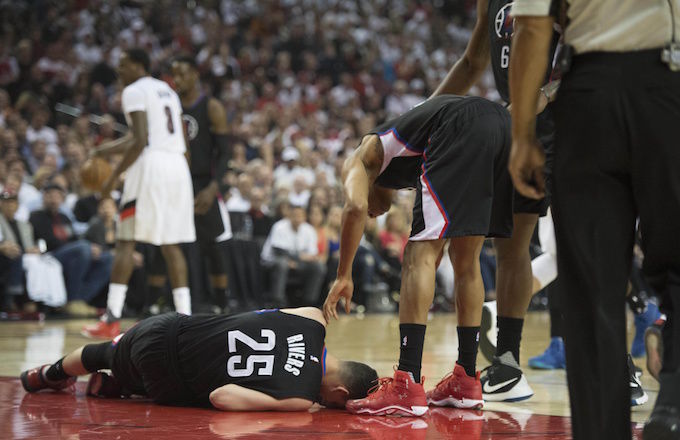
465	187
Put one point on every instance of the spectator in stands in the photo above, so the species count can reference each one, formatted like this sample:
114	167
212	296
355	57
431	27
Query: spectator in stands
16	179
394	237
239	195
16	238
316	218
286	173
87	266
259	216
101	229
39	130
299	193
291	254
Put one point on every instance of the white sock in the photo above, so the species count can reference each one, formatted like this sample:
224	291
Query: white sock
182	300
116	299
544	268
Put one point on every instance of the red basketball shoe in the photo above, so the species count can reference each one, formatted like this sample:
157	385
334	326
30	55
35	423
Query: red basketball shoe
34	380
397	396
457	389
102	330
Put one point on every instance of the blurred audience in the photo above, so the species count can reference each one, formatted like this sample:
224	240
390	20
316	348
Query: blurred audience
86	265
300	82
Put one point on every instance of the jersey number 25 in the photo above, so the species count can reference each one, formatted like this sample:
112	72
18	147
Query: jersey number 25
234	367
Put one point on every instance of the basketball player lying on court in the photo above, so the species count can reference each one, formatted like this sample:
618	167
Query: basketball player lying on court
453	150
267	360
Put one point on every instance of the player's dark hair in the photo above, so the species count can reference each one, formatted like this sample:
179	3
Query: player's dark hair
140	57
358	378
185	59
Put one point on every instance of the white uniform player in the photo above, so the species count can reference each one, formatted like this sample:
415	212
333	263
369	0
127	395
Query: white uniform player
157	205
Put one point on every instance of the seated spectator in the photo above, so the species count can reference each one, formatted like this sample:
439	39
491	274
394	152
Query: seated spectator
299	194
16	238
39	129
259	216
87	266
291	252
17	180
333	224
239	195
394	237
102	227
316	218
285	174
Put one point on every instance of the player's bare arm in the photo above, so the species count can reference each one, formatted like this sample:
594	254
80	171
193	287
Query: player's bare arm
547	94
469	68
140	136
528	62
233	397
219	130
359	172
116	146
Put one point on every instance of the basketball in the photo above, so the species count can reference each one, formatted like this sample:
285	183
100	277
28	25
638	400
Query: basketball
94	172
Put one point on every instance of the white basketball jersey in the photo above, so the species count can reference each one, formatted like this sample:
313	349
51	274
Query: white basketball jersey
163	113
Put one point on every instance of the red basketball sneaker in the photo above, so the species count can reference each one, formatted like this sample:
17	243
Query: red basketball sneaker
457	389
102	330
34	380
397	396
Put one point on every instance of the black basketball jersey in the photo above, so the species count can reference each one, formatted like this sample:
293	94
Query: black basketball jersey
501	27
201	146
276	353
405	138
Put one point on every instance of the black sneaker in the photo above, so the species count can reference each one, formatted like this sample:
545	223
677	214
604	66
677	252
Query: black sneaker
663	424
637	393
503	381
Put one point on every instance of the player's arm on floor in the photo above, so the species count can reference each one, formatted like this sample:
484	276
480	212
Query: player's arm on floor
359	172
470	67
140	134
233	397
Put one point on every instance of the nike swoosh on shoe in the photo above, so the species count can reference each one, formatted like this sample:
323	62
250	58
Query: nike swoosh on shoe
488	388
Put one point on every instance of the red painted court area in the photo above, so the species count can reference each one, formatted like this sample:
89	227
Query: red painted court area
49	415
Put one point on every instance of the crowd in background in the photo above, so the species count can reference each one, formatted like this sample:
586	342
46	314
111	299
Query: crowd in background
301	81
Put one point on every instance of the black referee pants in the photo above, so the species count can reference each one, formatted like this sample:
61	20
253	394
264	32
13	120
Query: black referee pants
617	157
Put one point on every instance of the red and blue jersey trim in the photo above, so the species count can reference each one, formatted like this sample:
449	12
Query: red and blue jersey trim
400	140
436	199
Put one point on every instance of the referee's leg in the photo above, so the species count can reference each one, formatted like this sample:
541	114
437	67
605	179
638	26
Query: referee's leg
656	182
594	217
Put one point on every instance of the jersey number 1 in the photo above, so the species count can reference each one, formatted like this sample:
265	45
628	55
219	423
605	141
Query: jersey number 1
171	126
267	361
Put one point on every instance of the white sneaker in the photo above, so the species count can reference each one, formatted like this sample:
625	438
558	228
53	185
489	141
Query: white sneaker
504	381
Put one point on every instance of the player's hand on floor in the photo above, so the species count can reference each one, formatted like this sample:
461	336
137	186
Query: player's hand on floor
341	288
526	163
